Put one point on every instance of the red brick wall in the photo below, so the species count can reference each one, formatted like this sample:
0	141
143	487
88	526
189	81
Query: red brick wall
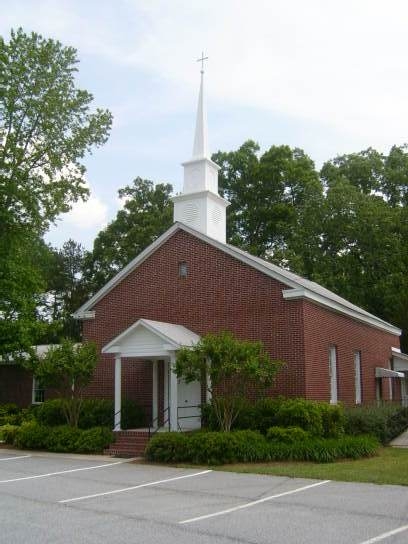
324	329
16	385
219	293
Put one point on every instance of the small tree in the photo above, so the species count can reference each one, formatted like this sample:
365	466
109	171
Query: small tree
234	367
68	368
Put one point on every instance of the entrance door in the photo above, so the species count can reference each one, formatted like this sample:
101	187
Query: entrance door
189	401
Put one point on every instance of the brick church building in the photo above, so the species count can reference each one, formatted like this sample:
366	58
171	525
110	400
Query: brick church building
190	282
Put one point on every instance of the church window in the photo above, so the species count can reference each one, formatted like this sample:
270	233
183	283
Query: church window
183	269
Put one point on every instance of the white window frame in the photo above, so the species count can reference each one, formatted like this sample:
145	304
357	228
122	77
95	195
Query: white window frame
37	389
333	374
357	377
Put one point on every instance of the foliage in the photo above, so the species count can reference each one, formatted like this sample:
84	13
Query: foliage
94	413
267	195
210	448
9	414
327	450
68	368
8	433
318	418
94	440
287	435
62	438
31	436
215	448
46	129
147	212
385	422
234	366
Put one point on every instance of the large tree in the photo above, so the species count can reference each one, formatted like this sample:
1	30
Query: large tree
147	212
268	196
46	128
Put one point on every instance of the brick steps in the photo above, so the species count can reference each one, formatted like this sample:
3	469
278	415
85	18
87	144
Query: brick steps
128	444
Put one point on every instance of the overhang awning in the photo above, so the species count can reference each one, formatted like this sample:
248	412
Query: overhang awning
388	373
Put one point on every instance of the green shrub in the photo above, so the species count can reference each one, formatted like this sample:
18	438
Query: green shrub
8	433
287	435
96	413
94	440
320	450
31	436
397	423
384	422
133	415
333	419
62	439
50	413
214	448
300	413
208	447
168	447
10	414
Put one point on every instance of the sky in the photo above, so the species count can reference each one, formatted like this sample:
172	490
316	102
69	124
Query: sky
330	77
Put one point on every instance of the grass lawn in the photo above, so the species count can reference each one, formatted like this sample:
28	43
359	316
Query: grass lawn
390	466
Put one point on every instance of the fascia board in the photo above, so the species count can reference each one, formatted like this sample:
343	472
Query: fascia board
373	321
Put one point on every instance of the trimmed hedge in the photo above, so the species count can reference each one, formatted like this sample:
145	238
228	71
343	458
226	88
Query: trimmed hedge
94	413
317	418
215	448
385	422
33	436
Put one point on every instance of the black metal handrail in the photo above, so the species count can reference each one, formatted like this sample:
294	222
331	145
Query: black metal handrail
166	421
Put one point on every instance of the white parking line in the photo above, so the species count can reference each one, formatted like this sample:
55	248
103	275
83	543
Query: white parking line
16	457
385	535
148	484
252	503
62	472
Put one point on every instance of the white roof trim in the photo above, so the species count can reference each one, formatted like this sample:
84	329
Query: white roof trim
294	294
300	287
397	354
387	373
174	337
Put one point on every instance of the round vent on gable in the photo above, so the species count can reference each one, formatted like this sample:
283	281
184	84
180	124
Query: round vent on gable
190	213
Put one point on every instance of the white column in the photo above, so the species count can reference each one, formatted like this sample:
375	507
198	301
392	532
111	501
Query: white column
173	394
208	394
118	392
166	391
155	396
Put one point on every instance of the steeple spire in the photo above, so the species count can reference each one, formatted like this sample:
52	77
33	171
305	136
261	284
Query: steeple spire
199	205
200	148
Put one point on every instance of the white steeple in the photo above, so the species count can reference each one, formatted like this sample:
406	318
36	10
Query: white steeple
200	205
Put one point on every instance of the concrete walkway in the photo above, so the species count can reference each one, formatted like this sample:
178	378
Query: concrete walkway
401	441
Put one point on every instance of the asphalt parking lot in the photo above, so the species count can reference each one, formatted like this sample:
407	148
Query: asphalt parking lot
52	498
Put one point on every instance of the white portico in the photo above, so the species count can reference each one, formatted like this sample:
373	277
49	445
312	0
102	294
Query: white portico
158	342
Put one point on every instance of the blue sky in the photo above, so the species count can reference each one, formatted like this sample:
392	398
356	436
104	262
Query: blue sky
329	77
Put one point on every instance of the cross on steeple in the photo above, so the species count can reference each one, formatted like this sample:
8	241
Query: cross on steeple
202	61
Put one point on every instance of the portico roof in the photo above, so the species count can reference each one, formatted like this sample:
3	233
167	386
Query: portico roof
148	338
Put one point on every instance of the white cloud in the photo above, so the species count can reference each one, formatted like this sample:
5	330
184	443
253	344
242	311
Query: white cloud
88	215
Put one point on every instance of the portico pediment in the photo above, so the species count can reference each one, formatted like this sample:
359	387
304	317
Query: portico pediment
148	338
